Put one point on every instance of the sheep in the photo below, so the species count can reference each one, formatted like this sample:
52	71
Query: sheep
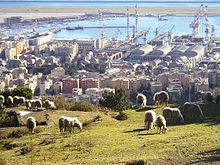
31	124
161	98
173	114
150	119
2	99
36	103
49	105
10	101
209	97
61	124
77	124
21	100
15	98
141	99
69	123
192	111
28	104
217	99
161	124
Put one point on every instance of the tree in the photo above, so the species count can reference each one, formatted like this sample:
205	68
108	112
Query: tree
117	101
23	91
19	91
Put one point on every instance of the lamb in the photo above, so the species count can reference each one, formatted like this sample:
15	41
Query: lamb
2	99
141	99
192	111
10	101
161	97
28	104
49	105
173	115
150	119
31	124
161	124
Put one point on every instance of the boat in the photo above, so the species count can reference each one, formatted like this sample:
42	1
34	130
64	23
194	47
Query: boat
55	30
160	18
74	28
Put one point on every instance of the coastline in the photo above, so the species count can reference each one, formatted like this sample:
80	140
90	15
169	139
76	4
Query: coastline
52	11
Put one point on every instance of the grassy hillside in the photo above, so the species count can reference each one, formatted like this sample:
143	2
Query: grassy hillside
109	141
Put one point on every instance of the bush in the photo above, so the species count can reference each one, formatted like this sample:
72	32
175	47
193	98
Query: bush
117	101
121	116
3	115
26	149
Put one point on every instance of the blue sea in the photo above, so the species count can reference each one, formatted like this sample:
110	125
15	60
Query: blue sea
181	26
152	3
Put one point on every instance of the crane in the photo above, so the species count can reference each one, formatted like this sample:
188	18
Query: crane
145	35
195	23
157	30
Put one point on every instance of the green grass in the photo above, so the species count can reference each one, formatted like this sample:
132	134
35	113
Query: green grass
115	142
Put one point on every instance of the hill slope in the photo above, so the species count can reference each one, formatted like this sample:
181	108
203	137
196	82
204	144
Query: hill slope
116	142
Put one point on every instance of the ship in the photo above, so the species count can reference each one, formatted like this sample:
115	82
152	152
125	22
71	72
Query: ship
161	18
74	28
55	30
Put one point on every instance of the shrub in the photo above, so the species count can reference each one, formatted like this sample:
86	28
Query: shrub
26	149
117	101
3	114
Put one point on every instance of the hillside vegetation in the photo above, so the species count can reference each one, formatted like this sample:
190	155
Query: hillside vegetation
109	141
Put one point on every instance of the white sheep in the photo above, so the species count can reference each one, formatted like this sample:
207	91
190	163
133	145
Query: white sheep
71	122
161	124
61	124
173	115
49	105
141	99
161	97
150	119
31	124
2	99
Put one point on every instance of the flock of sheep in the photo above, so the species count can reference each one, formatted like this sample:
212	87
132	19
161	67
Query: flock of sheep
66	124
191	111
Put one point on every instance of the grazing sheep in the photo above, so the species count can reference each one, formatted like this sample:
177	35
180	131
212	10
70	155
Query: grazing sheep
2	99
10	101
161	97
192	111
36	104
49	105
141	99
28	104
218	99
173	115
31	124
21	100
61	124
15	98
150	119
77	123
69	123
209	97
161	124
